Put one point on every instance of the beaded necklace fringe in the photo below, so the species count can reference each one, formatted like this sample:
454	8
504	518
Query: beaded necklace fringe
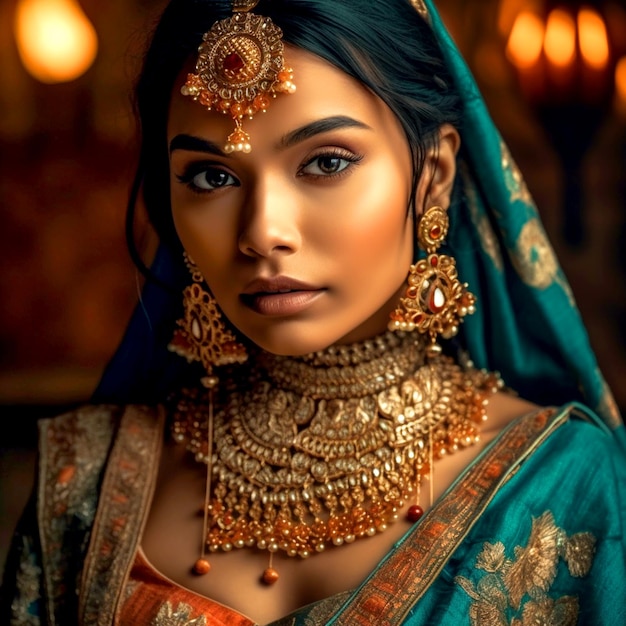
323	450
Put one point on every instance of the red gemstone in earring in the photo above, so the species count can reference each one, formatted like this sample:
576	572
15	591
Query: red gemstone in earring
415	513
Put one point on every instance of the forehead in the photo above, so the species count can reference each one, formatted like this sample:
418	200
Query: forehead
322	90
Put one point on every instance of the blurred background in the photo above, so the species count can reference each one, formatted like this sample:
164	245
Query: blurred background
554	78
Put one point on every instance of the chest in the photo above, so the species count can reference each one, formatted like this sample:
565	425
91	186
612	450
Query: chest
172	542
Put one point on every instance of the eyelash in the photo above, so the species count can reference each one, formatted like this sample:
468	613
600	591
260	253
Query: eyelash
196	169
335	153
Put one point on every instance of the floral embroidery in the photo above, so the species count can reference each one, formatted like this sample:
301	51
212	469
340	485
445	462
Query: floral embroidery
514	592
180	616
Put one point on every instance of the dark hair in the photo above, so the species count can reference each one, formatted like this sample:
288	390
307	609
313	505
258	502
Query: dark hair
385	44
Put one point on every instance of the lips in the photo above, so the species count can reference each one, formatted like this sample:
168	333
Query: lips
279	296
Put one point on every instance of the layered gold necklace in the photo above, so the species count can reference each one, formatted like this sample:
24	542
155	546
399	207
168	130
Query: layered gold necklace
309	452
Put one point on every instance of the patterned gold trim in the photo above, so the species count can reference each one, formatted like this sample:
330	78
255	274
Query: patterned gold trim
419	559
73	447
129	485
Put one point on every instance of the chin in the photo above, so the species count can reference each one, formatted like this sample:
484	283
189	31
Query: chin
283	346
288	339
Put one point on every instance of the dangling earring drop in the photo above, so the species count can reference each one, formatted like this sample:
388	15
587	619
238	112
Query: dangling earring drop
435	300
202	335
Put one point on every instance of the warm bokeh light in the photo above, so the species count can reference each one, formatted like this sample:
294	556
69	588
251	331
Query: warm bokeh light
593	39
560	41
525	42
510	9
620	82
55	40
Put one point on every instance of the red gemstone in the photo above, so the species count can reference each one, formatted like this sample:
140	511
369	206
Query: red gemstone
415	513
434	260
233	62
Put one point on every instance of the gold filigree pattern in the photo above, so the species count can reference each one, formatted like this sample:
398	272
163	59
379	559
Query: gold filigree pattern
179	616
514	592
326	449
240	68
535	260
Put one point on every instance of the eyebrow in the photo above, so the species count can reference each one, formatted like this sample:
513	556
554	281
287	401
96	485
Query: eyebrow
197	144
320	126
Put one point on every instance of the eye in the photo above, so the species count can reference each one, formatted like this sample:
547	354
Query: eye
203	178
329	164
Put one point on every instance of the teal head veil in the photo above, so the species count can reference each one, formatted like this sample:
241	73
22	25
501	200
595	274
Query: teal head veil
527	325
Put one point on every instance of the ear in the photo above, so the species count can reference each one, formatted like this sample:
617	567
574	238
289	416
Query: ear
437	180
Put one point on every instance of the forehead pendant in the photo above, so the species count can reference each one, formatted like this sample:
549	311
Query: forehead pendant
240	68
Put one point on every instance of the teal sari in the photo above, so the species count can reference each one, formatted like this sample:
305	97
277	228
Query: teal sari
525	536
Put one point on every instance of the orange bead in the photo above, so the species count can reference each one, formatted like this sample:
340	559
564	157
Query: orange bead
201	567
270	576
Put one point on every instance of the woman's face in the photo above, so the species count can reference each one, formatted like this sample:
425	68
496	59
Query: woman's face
306	241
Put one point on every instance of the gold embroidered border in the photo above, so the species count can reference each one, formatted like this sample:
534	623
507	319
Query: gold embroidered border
73	447
423	553
126	492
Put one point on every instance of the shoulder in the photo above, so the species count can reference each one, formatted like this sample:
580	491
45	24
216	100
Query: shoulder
574	466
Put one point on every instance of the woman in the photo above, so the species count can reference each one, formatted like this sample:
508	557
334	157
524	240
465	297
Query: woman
334	447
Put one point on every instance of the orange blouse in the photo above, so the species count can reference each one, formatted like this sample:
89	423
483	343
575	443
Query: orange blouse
151	598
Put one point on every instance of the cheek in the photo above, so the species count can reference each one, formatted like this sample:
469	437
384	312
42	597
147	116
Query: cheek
206	236
379	238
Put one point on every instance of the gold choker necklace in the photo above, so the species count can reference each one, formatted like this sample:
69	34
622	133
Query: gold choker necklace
326	449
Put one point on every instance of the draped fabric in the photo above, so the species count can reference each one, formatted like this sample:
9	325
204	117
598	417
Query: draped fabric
532	532
526	535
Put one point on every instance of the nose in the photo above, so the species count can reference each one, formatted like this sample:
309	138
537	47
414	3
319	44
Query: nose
269	223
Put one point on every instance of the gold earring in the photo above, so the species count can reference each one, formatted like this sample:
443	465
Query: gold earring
435	301
240	68
202	335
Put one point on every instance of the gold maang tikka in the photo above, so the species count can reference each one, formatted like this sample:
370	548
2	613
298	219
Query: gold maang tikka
240	68
435	301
